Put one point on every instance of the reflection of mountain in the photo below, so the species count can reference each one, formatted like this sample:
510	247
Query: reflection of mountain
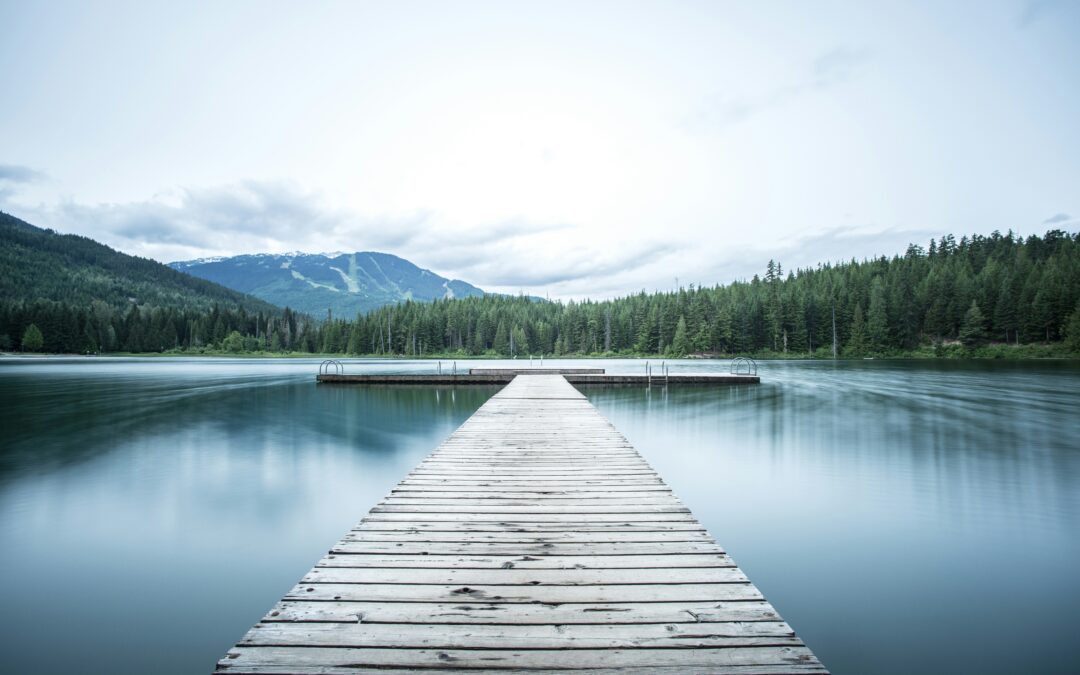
346	283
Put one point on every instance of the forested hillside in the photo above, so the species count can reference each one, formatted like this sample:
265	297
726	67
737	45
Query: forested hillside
974	290
84	296
39	264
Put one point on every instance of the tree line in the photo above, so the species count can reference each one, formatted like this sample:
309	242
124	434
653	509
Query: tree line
61	328
978	289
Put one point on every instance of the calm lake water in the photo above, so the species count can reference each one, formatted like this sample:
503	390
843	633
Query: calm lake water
902	516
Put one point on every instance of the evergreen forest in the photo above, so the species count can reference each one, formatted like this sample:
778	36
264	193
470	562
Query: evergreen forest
952	295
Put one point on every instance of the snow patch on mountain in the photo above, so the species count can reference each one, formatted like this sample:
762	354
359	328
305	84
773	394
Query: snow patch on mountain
315	284
350	283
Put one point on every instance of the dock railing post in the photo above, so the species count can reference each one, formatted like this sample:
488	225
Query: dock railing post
455	368
440	367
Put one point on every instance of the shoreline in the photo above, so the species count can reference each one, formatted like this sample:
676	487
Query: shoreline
1036	352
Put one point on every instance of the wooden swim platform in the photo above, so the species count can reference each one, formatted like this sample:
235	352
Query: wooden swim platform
534	539
576	376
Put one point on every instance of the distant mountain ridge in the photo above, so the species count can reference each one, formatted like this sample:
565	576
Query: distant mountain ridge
40	264
347	284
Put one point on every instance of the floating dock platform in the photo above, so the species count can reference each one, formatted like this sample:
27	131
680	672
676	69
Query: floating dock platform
534	539
577	376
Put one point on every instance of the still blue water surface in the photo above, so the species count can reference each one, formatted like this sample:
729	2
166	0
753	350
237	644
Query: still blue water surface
902	516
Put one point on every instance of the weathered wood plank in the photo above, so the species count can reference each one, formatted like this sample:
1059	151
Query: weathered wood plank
498	636
566	451
562	659
527	537
606	562
565	481
598	499
511	526
528	594
532	510
582	491
546	548
740	611
578	460
523	517
547	476
533	494
525	577
245	669
743	612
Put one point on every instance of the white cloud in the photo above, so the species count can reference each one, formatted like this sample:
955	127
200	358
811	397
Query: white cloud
276	217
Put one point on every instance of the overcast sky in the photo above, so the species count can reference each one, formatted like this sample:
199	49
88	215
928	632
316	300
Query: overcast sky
571	149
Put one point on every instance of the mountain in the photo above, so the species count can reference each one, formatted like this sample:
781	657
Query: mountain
40	264
345	283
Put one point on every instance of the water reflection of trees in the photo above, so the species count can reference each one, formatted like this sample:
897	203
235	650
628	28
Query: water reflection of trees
960	433
59	421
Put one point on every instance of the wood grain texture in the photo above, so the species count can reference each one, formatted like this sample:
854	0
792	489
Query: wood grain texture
534	539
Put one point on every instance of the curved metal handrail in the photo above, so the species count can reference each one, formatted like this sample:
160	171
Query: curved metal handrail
331	364
739	362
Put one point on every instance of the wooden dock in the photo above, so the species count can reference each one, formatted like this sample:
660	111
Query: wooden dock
576	376
534	539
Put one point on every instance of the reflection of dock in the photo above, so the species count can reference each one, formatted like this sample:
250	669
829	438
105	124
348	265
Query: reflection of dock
535	538
578	376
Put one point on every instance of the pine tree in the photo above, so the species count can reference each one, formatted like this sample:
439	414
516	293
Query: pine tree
355	345
1005	315
521	342
680	343
1072	330
973	330
877	324
722	329
219	331
134	340
857	342
1040	315
501	343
